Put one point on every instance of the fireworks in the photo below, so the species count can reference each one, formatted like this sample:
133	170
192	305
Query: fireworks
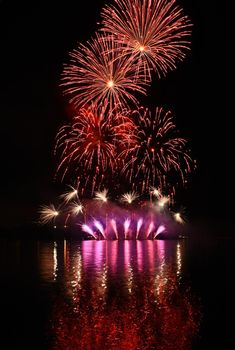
154	32
48	213
159	153
76	208
129	197
100	73
113	143
68	196
156	192
162	202
102	196
90	146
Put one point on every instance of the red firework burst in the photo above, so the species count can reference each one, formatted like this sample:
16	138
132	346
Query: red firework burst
155	31
100	73
160	156
90	146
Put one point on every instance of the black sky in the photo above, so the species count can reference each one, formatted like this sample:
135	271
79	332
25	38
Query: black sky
35	38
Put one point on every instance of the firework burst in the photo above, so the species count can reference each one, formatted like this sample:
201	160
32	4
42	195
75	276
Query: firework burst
155	32
102	196
129	197
160	155
100	73
76	208
68	196
91	145
48	213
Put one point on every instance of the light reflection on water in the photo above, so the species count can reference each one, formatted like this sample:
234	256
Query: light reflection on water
119	295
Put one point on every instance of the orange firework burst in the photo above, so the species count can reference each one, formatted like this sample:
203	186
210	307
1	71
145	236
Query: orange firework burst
99	72
90	146
155	31
160	156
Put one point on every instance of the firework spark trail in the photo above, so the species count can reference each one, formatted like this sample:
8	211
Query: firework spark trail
48	213
100	227
102	196
150	229
158	154
76	208
100	73
155	32
160	229
156	192
88	230
68	196
90	147
139	225
163	201
114	227
126	226
178	218
129	197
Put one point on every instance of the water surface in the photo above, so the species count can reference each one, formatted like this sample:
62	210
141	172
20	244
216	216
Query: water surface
116	295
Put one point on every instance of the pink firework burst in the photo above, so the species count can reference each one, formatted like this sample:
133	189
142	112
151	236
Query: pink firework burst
156	32
100	73
90	146
160	157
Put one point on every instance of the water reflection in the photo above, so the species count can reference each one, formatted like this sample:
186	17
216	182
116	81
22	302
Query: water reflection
120	295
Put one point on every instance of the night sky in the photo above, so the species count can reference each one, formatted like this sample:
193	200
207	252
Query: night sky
35	39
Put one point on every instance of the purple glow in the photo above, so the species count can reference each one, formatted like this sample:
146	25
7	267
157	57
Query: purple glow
150	228
160	229
126	225
99	226
87	229
116	229
139	224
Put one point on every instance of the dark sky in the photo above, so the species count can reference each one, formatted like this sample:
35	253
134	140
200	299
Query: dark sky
35	38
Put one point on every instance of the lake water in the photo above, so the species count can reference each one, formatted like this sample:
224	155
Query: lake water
104	295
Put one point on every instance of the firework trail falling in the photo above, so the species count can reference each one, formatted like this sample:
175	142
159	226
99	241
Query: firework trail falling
91	145
159	154
155	32
100	73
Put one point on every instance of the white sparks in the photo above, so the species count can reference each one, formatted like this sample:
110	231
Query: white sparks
68	196
129	197
76	208
102	195
48	213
